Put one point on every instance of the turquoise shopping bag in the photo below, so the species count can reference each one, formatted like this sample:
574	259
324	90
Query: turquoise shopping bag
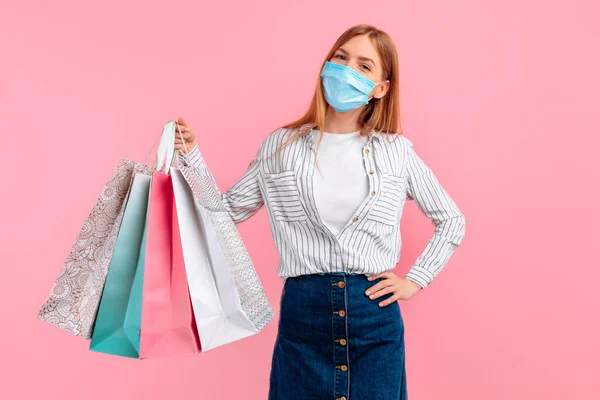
117	326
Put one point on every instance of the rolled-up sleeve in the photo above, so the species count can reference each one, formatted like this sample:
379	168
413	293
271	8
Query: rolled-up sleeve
437	205
244	198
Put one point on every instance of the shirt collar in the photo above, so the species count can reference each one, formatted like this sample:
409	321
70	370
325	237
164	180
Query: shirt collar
313	135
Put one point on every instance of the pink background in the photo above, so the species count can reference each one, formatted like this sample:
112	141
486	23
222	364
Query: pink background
500	98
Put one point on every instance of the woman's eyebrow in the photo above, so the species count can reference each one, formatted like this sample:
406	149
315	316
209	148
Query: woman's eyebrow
359	57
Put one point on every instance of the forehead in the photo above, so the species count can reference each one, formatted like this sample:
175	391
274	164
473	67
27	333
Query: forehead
361	46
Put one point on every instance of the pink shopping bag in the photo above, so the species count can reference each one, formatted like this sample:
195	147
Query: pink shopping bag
168	327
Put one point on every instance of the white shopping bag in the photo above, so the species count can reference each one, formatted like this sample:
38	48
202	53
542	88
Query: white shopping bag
227	296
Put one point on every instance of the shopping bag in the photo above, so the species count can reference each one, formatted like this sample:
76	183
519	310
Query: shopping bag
73	301
117	327
75	294
228	298
168	327
118	323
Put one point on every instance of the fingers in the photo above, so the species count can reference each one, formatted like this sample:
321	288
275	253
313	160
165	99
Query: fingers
389	300
395	295
186	137
182	128
375	294
378	286
179	146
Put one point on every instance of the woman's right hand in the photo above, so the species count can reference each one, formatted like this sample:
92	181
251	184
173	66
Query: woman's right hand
188	137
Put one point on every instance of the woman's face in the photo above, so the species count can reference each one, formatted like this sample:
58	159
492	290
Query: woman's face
359	54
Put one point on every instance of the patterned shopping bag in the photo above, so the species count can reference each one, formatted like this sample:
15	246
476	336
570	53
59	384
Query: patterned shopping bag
73	300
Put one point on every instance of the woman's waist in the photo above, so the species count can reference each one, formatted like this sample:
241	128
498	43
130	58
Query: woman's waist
321	294
329	285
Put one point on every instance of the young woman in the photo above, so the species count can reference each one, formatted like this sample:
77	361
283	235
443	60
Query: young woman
335	219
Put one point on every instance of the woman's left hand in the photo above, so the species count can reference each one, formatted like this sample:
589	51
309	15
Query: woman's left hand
402	288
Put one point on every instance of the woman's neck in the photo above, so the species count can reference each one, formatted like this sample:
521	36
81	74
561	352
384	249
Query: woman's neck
347	122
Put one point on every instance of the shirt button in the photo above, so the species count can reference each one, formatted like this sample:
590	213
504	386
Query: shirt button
373	193
185	164
367	151
342	313
341	284
371	172
355	219
343	342
344	368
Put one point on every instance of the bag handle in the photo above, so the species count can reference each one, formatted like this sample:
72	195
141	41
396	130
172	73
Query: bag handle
166	153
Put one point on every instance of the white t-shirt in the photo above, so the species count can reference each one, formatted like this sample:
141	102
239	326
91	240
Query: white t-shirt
342	182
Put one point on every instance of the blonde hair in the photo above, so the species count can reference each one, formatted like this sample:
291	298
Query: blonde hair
381	115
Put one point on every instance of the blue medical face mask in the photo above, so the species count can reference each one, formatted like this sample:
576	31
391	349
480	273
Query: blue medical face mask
345	89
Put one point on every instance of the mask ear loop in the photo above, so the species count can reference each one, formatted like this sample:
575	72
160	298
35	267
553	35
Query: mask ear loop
369	99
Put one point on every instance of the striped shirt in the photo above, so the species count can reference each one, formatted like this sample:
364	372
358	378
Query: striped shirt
370	242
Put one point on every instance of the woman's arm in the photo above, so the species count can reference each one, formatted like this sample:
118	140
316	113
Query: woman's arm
244	198
435	203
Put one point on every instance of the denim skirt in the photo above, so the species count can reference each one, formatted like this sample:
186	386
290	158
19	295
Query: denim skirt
335	343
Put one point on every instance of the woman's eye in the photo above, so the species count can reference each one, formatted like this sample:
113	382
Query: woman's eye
343	57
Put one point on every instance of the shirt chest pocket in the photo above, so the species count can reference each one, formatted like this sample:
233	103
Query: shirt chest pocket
391	195
284	196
